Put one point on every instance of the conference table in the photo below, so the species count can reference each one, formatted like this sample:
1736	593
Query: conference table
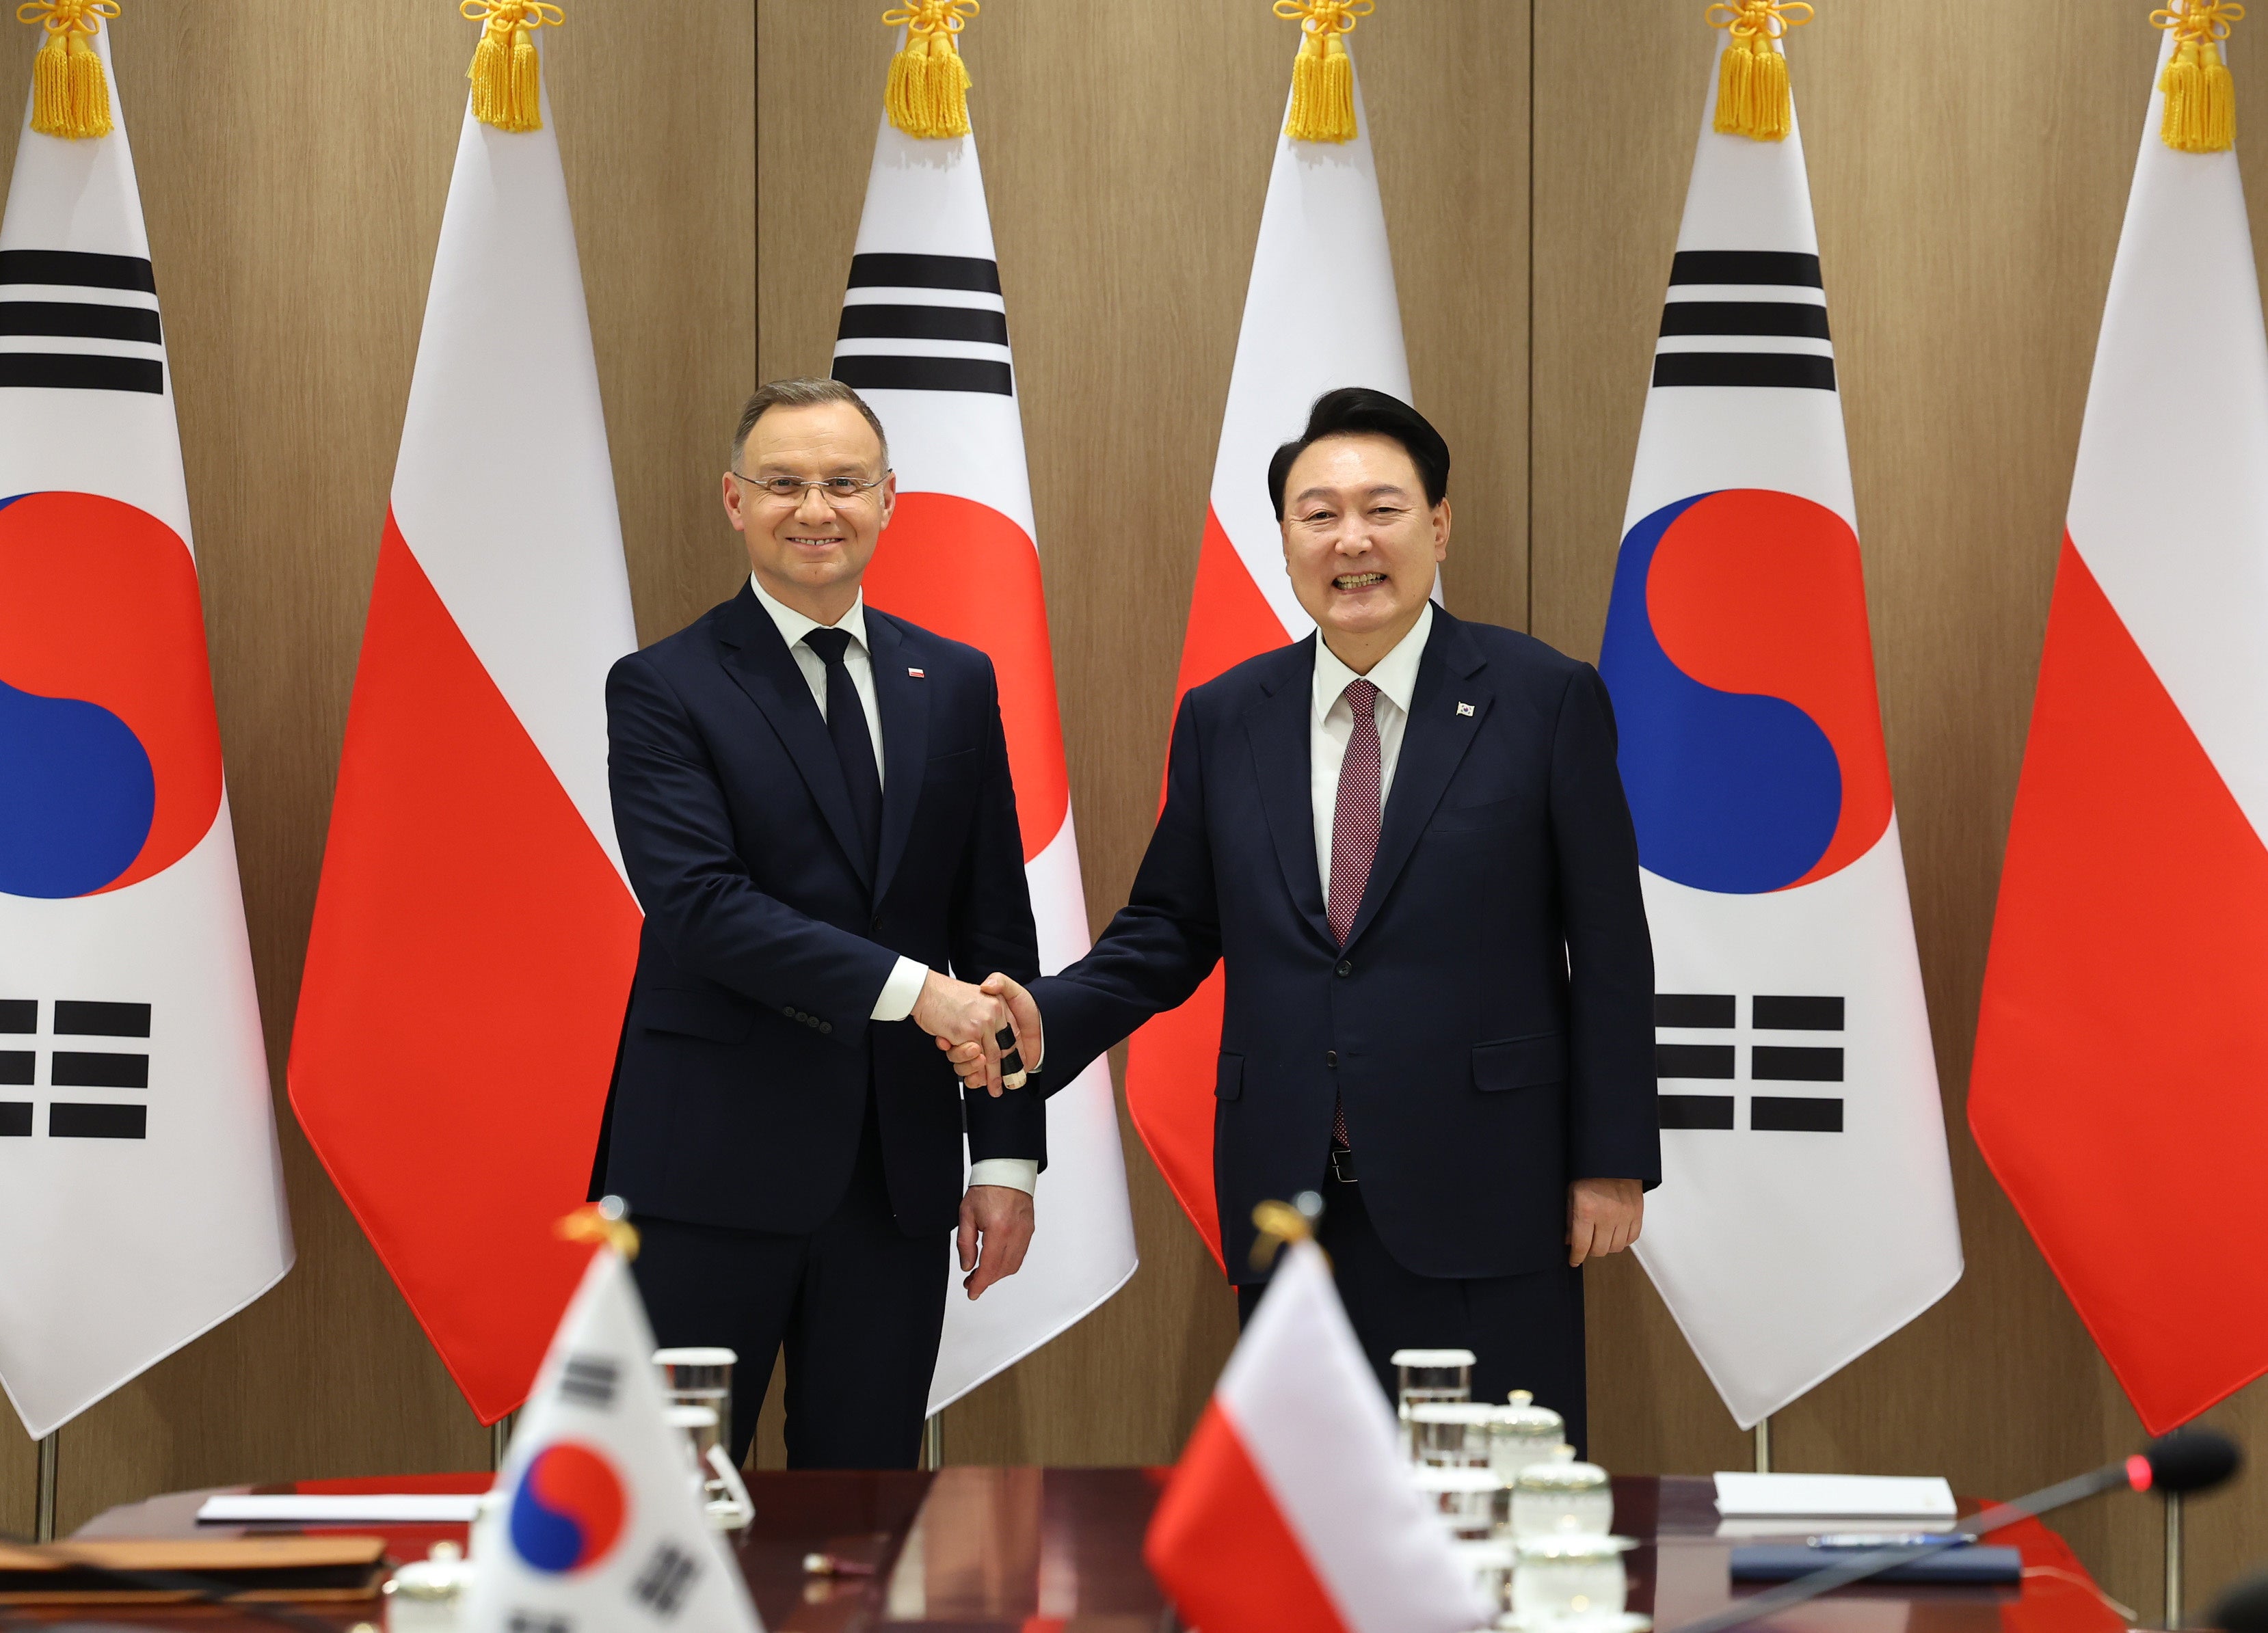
982	1549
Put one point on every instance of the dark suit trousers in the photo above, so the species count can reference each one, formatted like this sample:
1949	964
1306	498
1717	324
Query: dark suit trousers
857	1304
1525	1332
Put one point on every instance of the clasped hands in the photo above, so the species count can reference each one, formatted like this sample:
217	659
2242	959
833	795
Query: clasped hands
967	1022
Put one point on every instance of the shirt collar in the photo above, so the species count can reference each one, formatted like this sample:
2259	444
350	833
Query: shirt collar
794	625
1394	675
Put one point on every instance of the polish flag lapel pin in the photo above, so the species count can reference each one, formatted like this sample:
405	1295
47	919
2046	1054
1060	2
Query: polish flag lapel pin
917	674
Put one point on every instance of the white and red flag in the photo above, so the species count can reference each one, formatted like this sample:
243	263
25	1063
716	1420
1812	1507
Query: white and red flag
1322	225
141	1192
474	934
923	339
1292	1506
2117	1085
1806	1210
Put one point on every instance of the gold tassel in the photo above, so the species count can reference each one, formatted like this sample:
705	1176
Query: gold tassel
1280	1223
506	72
1752	94
928	94
2200	115
605	1220
70	97
1322	75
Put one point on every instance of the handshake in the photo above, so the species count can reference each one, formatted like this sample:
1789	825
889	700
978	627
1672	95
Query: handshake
990	1031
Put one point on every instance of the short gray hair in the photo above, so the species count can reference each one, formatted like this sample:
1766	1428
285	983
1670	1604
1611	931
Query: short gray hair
807	393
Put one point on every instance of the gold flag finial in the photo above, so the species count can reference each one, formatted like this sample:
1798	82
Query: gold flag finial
507	89
2200	114
70	96
1322	75
928	83
605	1220
1752	99
1282	1222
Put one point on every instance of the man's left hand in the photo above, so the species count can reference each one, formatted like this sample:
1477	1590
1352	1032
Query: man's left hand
1001	1216
1604	1216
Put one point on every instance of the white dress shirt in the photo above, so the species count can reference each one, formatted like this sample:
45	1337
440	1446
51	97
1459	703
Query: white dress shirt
1332	724
904	985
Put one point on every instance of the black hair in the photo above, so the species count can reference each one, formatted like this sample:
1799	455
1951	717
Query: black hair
1359	411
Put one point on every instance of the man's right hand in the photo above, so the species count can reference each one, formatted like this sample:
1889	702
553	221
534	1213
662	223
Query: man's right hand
1023	1017
956	1013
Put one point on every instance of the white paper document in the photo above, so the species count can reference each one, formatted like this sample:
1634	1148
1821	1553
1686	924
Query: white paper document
407	1508
1833	1497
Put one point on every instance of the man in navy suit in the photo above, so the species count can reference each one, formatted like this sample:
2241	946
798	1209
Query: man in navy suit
1408	843
814	803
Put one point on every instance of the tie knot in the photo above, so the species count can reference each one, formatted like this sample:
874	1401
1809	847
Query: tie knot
830	644
1362	697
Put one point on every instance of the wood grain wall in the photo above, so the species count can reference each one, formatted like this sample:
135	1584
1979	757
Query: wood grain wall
1968	203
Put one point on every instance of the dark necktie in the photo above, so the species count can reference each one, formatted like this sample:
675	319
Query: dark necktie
854	744
1354	832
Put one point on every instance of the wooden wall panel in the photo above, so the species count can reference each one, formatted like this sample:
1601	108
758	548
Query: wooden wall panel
1125	190
293	162
1966	221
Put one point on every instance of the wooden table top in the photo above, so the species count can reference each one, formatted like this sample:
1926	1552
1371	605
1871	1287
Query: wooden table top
981	1549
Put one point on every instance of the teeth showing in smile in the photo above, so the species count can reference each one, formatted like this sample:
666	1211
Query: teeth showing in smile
1358	581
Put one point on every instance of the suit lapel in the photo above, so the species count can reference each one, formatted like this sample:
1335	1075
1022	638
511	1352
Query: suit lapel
761	665
1433	743
1279	728
904	704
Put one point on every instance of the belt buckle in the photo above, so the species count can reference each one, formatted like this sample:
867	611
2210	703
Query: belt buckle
1342	1165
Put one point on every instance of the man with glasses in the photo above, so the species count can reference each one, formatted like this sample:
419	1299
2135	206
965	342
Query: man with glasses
813	805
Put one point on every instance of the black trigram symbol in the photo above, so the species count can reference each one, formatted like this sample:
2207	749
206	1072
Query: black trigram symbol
1768	1063
539	1622
589	1380
1753	317
662	1586
74	1069
950	304
115	299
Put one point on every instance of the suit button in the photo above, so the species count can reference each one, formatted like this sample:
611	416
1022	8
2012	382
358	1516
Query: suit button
878	922
827	1025
790	1012
1331	1057
1344	969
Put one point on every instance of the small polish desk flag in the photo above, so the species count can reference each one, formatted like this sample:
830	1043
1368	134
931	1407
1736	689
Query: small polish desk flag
141	1192
1806	1210
923	339
596	1522
1323	211
1292	1506
473	933
2117	1086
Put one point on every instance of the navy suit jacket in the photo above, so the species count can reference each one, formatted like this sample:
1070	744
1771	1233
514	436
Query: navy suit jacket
1489	1023
746	1051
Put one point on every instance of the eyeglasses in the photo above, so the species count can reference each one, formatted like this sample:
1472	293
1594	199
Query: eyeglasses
839	492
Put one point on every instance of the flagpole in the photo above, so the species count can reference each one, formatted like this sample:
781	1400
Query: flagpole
1763	1444
2173	1559
500	1439
933	1441
43	1517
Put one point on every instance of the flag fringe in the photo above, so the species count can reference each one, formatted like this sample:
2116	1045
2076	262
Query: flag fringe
928	95
507	72
2200	113
1322	74
71	95
1752	93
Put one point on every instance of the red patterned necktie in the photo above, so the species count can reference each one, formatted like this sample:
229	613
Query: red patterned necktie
1354	833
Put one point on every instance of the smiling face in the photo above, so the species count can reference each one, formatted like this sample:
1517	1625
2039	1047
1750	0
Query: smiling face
1360	542
809	552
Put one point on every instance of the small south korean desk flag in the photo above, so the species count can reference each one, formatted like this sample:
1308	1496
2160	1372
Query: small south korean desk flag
1806	1208
141	1194
595	1524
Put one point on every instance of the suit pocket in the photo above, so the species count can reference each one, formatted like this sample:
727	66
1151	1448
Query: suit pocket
712	1016
1229	1084
1493	816
962	762
1519	1063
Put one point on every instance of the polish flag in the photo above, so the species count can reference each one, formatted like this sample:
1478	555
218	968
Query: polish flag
924	340
1292	1506
1322	220
2116	1089
141	1192
474	934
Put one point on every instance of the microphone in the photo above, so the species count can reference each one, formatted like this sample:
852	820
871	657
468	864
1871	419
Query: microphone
2189	1459
2244	1607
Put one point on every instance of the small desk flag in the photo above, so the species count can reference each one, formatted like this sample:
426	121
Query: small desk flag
141	1191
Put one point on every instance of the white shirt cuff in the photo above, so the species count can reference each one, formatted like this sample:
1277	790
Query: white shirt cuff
900	991
1020	1173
